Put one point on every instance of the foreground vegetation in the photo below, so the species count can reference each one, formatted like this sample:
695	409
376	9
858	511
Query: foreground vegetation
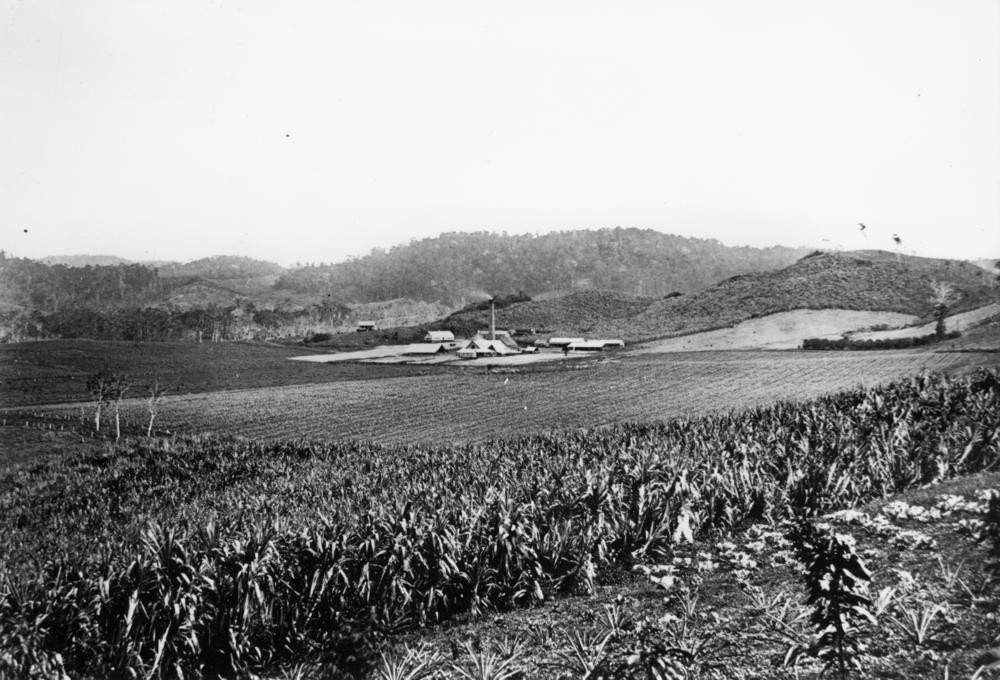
202	556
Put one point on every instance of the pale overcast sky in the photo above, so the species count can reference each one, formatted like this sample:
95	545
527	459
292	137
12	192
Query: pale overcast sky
312	131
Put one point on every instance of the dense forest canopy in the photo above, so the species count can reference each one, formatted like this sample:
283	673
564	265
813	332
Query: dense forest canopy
221	267
459	267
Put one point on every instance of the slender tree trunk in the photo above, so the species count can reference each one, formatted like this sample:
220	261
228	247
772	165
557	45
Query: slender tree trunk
118	428
149	430
97	418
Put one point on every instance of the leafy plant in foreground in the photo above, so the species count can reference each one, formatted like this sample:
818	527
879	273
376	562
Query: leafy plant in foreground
991	532
319	550
836	582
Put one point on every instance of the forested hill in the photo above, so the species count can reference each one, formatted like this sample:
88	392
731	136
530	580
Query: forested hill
55	284
35	285
85	260
222	267
458	267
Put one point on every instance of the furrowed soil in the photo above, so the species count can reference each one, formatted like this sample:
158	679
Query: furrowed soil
465	405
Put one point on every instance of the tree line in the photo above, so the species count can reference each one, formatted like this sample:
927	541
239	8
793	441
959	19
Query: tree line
213	323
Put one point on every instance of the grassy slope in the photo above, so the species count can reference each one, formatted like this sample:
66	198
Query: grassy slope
863	280
783	330
868	280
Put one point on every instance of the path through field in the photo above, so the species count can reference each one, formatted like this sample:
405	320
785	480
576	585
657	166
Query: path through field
452	406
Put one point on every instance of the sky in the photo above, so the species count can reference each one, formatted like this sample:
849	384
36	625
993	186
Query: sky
317	131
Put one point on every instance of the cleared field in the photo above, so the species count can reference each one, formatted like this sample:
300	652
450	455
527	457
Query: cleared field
56	371
784	330
457	406
957	322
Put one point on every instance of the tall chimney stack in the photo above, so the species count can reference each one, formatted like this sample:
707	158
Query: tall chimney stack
493	321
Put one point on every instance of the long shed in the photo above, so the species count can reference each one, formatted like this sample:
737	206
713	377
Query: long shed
563	342
586	346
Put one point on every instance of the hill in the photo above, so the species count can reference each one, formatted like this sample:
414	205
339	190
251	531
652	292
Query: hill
85	260
860	280
988	263
221	267
455	268
873	281
579	311
34	285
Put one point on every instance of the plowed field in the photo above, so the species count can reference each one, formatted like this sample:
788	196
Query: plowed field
453	406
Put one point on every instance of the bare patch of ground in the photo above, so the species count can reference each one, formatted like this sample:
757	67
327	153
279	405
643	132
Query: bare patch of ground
957	322
784	330
395	354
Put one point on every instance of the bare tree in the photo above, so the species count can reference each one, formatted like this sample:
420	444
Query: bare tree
156	392
97	385
117	387
943	296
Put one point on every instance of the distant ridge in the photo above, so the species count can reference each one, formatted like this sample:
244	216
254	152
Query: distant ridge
456	268
85	260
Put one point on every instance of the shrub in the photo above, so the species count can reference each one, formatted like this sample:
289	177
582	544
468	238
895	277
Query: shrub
836	581
887	343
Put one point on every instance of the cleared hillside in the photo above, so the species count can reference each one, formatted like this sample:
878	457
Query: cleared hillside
862	280
784	330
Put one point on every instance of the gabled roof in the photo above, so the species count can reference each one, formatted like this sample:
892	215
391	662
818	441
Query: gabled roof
439	336
425	348
501	336
486	345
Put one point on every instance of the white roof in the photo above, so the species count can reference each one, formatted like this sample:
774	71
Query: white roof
367	323
588	344
484	344
564	341
424	348
610	342
439	336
